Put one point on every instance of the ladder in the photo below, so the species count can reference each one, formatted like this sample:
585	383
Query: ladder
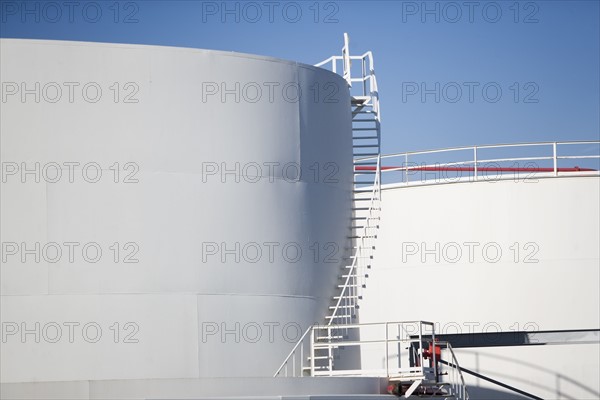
366	193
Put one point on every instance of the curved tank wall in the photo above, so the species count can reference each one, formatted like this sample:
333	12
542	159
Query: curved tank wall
508	255
188	216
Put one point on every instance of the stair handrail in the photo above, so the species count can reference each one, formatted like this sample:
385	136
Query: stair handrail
345	286
353	267
292	353
460	388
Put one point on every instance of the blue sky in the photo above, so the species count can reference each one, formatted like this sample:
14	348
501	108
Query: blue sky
543	55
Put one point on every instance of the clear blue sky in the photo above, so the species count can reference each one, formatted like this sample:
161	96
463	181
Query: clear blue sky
543	55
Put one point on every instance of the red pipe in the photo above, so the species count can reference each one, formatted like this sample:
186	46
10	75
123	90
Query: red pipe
472	169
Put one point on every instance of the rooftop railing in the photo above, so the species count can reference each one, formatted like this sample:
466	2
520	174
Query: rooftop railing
521	161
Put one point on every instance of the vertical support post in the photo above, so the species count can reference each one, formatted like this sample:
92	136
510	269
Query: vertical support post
433	347
301	359
475	162
378	176
387	361
329	350
346	60
399	345
406	168
312	352
554	158
364	77
421	348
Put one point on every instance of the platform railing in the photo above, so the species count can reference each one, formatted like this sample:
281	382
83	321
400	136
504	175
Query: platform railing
409	351
436	166
403	354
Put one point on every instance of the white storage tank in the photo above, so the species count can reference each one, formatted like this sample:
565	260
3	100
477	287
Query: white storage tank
166	212
496	255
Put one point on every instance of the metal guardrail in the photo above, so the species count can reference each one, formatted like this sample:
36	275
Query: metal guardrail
452	373
403	355
409	362
368	82
416	167
412	356
293	365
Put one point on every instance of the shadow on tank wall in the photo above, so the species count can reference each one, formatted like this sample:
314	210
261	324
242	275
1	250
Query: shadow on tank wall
480	393
505	376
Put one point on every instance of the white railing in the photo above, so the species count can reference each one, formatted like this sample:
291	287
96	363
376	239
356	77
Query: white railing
367	80
408	336
470	163
409	350
294	364
356	274
401	344
451	374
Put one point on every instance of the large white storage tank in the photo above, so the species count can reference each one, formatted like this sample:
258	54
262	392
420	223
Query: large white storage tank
507	253
165	231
